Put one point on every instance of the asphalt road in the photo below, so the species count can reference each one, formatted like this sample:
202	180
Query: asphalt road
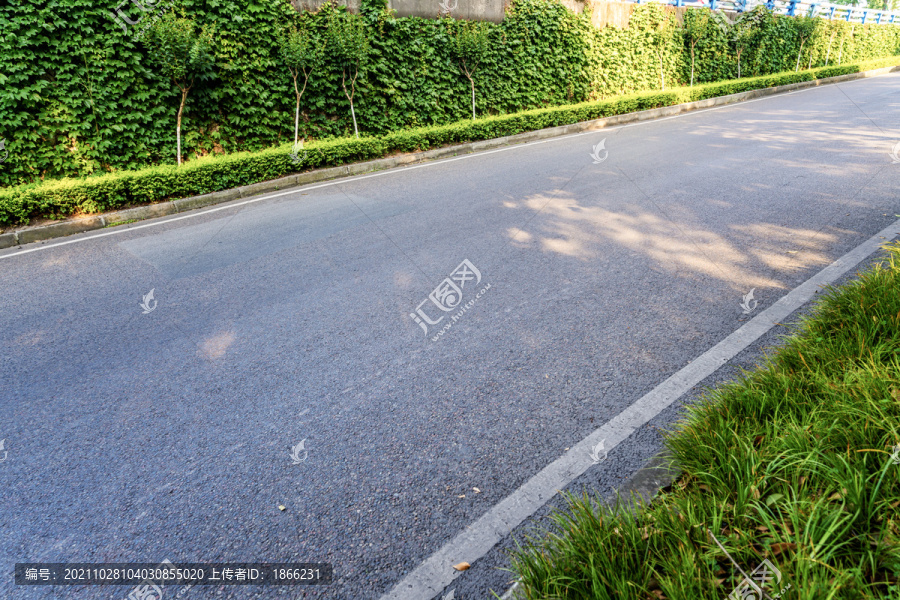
134	437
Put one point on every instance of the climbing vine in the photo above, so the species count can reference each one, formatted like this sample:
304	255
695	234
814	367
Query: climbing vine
80	95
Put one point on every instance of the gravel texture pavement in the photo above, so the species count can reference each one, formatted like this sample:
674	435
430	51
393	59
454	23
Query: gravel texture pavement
137	436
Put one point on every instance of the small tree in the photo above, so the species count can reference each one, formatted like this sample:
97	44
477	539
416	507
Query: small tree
659	38
695	24
301	52
830	40
806	28
182	55
470	45
843	32
745	29
348	40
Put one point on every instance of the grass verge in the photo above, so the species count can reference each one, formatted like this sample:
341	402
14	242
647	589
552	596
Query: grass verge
793	463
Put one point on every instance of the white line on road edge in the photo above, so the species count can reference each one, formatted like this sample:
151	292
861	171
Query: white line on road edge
342	180
436	573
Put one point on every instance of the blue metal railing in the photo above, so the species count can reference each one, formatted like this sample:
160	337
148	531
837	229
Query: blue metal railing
823	10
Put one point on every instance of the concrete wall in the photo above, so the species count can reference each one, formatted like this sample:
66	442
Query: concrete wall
314	5
612	14
615	14
475	10
603	13
472	10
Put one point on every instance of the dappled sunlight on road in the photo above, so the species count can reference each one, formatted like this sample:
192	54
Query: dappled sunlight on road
403	280
570	229
59	260
808	246
30	338
830	137
217	345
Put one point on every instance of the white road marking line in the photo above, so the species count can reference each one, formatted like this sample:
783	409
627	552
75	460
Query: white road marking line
436	573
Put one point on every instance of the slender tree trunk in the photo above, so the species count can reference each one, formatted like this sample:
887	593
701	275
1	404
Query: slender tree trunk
184	93
797	68
299	94
828	54
296	113
662	79
692	65
739	61
350	97
353	114
465	69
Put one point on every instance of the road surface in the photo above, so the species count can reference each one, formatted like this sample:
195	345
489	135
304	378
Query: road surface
573	282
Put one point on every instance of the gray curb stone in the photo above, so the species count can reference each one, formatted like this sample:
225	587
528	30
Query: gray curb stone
8	240
193	202
68	227
161	209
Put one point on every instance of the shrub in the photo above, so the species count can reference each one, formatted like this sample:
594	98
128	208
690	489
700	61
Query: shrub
61	198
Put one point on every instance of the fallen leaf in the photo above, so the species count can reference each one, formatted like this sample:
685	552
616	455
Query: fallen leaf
476	490
787	528
773	499
703	487
462	566
755	492
762	528
782	546
835	496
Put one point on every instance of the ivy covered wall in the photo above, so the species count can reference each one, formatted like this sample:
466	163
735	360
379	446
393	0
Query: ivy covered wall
79	95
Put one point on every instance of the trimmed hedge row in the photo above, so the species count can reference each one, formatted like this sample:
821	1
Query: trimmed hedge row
65	197
81	96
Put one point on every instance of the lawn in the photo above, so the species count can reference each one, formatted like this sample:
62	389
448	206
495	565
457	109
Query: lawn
796	463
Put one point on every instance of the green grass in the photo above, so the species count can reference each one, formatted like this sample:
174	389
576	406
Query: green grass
792	462
117	223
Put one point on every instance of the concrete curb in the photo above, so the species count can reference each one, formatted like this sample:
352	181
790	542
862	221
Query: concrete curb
83	224
646	483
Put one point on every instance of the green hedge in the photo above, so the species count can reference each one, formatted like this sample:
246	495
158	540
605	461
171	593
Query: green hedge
81	97
61	198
